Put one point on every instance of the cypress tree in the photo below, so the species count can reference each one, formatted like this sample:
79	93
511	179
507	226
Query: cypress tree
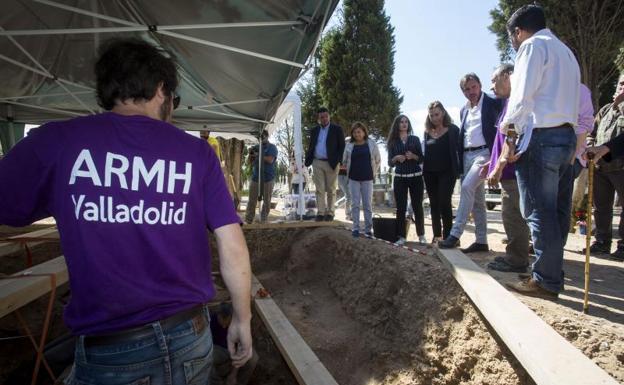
356	69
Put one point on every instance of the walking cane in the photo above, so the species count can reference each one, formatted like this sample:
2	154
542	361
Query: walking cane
590	202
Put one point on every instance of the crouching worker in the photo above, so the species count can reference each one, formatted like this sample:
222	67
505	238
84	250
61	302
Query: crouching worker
132	196
226	371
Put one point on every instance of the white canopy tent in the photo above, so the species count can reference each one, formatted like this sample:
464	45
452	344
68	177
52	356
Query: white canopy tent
237	59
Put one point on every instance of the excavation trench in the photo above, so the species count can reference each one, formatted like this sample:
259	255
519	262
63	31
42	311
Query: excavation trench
378	314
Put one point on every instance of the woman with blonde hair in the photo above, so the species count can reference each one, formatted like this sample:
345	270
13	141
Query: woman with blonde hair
361	158
405	155
441	167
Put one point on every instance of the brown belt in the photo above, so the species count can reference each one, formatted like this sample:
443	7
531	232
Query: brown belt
195	313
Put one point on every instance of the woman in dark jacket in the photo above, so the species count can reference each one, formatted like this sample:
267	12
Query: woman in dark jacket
441	167
405	155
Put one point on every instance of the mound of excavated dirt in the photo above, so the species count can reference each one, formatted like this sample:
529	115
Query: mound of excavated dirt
378	314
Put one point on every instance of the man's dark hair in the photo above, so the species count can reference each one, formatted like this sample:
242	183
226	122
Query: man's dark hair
321	110
529	17
132	69
467	77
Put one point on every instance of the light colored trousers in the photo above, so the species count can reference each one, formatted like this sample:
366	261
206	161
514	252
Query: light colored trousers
324	179
361	196
472	196
250	213
343	183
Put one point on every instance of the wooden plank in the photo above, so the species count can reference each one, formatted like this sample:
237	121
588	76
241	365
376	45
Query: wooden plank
290	225
15	293
547	356
7	248
304	364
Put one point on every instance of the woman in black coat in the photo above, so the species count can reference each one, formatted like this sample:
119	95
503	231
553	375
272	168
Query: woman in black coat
405	155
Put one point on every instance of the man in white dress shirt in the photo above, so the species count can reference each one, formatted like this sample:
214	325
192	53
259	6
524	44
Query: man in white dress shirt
477	133
542	111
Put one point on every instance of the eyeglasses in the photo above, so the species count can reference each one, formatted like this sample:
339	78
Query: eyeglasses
176	101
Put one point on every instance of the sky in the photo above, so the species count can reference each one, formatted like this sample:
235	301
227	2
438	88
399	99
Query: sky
436	44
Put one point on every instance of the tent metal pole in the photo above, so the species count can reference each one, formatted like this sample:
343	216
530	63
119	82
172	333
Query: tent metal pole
175	34
45	108
232	115
144	28
233	103
42	73
318	38
41	67
44	96
87	13
230	48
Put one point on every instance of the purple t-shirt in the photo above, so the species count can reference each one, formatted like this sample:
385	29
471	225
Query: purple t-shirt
132	198
509	172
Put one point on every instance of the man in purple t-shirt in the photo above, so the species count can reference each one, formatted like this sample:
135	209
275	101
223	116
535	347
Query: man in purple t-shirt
132	196
516	257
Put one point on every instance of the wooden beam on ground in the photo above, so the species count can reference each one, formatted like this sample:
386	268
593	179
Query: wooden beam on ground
15	293
7	248
547	356
294	224
304	364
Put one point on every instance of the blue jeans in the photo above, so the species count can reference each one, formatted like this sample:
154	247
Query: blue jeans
343	183
362	196
180	355
545	180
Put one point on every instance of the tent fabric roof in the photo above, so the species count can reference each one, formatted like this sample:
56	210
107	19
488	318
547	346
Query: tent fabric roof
237	58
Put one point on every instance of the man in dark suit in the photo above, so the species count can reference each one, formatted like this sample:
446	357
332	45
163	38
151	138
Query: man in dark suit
478	130
324	154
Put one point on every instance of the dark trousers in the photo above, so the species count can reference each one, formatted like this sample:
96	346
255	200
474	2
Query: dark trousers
416	190
294	188
605	186
440	191
516	228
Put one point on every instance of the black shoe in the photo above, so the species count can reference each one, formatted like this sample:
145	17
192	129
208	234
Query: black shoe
476	247
328	218
501	258
449	243
599	248
505	267
319	218
618	254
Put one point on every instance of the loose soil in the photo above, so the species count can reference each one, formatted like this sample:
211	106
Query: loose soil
373	313
377	314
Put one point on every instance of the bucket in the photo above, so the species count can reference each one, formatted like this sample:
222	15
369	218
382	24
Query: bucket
385	228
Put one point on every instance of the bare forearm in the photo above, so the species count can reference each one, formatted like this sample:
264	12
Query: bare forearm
235	268
580	141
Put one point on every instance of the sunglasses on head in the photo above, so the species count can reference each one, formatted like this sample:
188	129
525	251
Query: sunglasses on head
176	101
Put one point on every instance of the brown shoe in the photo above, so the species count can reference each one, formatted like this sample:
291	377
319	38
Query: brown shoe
532	288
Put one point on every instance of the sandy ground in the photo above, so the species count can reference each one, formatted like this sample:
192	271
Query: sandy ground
376	314
599	335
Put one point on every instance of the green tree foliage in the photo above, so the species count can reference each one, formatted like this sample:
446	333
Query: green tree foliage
310	103
593	29
356	68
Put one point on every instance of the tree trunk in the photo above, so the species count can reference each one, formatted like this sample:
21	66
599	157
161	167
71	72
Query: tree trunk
232	155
